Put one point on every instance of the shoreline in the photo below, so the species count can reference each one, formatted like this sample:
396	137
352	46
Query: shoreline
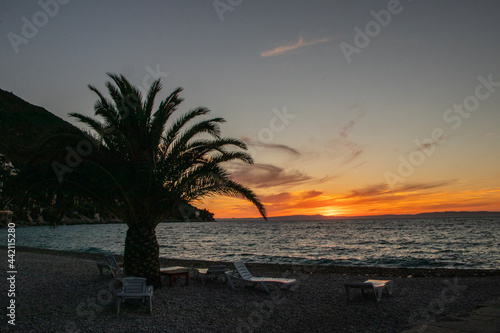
279	267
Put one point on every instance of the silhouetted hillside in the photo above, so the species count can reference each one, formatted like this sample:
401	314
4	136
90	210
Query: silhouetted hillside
25	130
24	127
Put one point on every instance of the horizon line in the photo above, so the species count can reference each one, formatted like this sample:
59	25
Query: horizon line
494	213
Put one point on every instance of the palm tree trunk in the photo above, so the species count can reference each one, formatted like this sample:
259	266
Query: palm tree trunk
142	255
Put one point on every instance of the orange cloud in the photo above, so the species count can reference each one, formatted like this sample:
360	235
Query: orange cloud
373	200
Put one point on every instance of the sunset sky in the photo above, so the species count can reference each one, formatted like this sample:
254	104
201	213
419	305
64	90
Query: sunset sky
348	107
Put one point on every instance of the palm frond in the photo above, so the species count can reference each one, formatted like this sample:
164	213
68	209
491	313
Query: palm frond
175	129
91	122
159	119
150	100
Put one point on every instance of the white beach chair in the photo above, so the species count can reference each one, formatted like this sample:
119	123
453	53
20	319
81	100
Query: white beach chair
135	288
242	273
112	265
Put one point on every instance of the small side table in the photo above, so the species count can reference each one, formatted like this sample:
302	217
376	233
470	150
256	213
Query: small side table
378	286
174	272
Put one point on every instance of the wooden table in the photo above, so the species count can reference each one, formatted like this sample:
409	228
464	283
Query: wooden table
174	272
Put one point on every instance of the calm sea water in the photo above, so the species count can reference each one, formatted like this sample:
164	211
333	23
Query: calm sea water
450	243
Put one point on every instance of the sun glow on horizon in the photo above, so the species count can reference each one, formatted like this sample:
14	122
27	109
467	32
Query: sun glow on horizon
412	202
329	212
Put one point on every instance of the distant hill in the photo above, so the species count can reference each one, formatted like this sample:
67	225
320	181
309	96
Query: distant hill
24	127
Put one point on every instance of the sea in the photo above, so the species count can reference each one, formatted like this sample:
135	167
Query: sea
464	243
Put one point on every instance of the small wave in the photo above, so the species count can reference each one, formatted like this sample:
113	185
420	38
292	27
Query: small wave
91	250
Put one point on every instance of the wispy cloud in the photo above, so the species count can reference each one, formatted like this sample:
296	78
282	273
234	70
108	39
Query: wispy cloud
426	186
346	129
283	49
266	175
281	147
345	148
369	191
354	153
273	198
311	194
384	189
291	203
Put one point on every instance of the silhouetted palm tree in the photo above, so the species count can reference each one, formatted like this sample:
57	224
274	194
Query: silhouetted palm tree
144	171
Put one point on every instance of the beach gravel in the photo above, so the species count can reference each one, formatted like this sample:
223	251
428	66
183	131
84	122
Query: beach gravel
63	292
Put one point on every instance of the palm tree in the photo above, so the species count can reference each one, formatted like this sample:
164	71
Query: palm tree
144	170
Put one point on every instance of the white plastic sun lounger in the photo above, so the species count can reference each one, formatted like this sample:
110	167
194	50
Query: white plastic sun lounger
135	288
111	264
241	273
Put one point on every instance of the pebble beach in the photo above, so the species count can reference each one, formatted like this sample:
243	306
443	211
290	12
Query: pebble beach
63	292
